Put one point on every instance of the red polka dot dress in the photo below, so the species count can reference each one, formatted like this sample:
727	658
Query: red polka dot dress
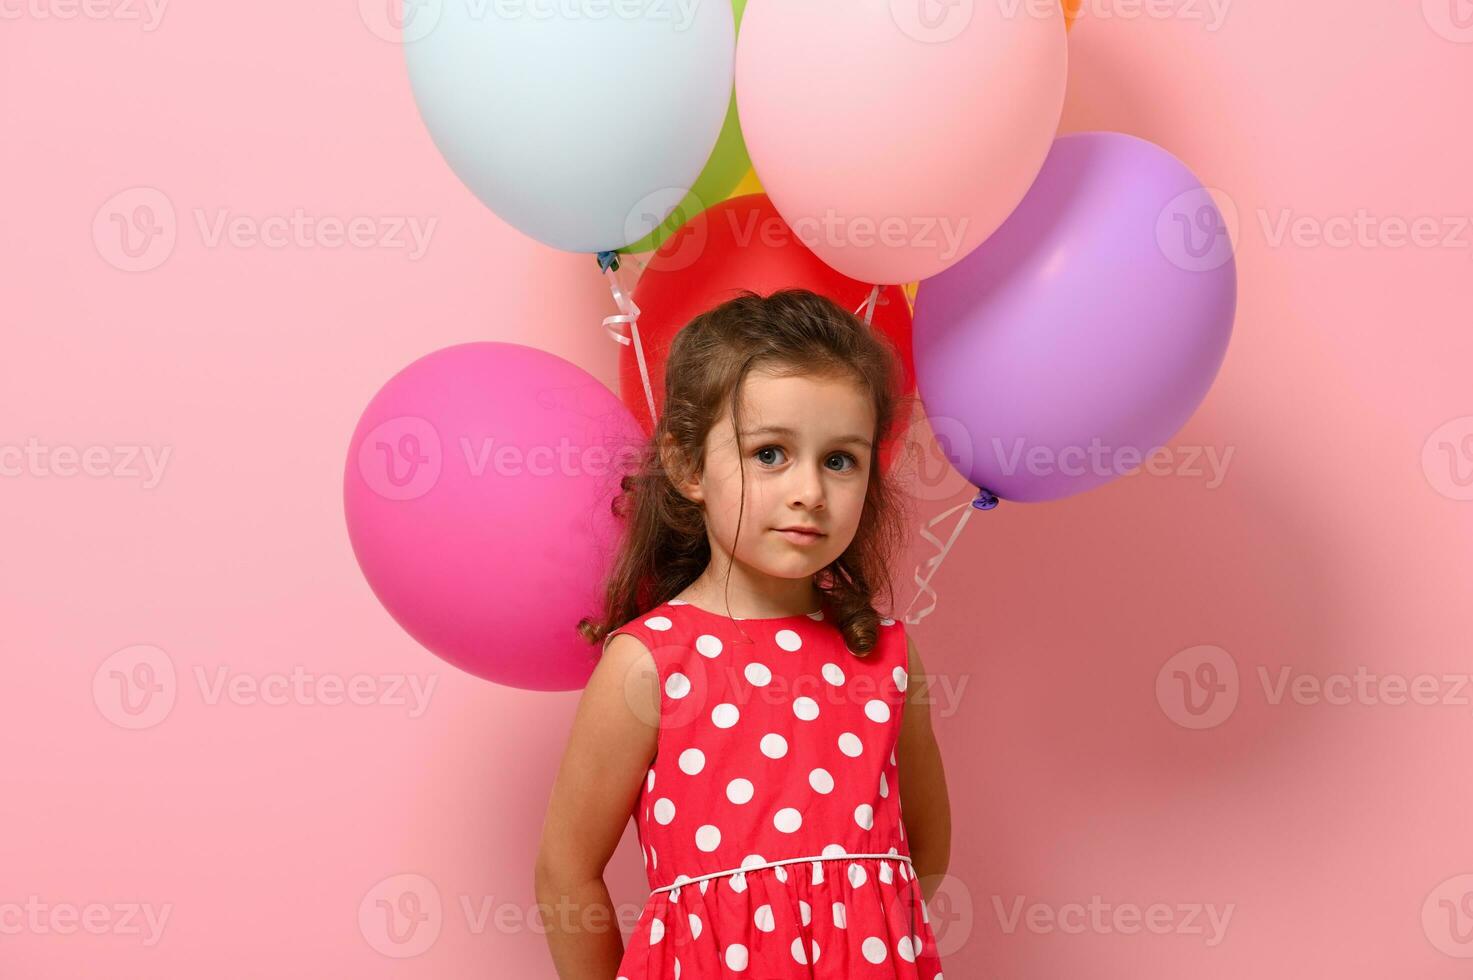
770	817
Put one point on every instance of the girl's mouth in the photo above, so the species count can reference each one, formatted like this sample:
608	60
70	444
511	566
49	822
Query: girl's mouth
800	537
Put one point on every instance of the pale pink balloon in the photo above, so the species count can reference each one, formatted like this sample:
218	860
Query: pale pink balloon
894	136
477	496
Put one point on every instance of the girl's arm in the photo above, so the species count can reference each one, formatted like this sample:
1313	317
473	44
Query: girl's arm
610	747
924	805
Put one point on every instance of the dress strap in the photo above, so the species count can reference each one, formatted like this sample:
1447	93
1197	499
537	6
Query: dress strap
772	864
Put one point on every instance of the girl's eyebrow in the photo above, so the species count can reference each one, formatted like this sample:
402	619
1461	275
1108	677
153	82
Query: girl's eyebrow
782	430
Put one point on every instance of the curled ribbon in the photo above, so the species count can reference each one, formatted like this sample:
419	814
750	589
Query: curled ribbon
628	313
869	304
984	500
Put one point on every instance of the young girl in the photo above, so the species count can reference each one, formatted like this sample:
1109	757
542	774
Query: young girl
753	712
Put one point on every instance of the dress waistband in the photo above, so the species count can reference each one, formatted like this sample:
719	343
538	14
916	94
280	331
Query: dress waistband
772	864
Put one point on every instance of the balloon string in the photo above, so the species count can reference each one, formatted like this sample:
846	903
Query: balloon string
872	301
628	313
984	500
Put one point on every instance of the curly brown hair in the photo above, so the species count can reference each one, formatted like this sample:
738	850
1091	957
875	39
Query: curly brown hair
664	546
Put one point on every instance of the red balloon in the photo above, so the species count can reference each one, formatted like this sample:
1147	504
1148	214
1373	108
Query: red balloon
742	243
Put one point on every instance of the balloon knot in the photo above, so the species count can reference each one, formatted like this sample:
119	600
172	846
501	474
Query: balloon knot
607	261
985	500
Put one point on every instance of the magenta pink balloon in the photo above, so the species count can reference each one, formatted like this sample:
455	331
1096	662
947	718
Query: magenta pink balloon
891	141
477	494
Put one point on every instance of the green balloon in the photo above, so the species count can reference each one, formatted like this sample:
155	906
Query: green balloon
725	169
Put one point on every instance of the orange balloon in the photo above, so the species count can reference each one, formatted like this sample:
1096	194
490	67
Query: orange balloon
748	185
1071	11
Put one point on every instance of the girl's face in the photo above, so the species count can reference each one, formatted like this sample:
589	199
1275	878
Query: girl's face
807	453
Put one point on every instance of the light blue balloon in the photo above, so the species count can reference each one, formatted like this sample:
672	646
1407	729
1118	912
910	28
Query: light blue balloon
581	123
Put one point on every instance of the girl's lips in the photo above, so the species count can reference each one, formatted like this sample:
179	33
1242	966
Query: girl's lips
799	537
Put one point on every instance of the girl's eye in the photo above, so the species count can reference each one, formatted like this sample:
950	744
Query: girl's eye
767	449
853	463
764	456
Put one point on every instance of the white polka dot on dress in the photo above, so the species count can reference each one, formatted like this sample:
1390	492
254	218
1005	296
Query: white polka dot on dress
692	761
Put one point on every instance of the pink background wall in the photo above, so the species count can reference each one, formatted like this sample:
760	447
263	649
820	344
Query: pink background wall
1334	836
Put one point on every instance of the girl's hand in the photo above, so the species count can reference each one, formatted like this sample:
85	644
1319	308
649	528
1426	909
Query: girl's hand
610	747
925	807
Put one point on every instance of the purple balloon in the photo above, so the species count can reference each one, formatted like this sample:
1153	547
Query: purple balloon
1086	330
